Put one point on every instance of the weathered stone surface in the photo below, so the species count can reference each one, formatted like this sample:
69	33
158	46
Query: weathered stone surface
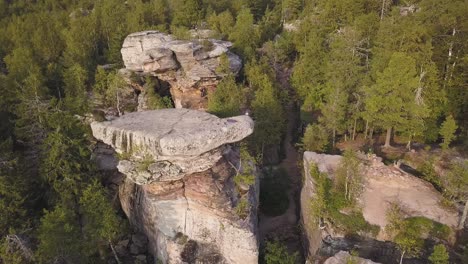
180	180
177	142
199	206
344	257
191	67
383	185
387	184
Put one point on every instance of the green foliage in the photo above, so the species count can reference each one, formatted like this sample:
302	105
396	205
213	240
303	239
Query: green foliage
242	208
447	131
429	174
409	233
315	138
329	202
439	255
144	164
267	107
154	100
102	222
277	253
244	34
59	236
187	13
246	176
222	23
227	99
349	177
13	192
390	103
110	87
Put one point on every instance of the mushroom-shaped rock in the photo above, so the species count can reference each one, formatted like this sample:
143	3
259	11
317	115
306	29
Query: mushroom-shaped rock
166	145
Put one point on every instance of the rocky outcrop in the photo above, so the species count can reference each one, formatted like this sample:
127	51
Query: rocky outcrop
343	257
325	163
191	67
383	186
180	188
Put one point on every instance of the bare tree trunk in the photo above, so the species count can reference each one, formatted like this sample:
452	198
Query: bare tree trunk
402	255
388	137
118	103
334	134
382	10
371	135
354	129
463	218
367	128
115	253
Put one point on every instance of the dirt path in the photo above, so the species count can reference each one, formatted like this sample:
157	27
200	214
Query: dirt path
285	226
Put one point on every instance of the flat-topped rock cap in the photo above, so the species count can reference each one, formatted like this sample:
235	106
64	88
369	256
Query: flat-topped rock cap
172	132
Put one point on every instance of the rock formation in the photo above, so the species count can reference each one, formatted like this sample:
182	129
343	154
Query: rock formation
180	188
190	67
383	185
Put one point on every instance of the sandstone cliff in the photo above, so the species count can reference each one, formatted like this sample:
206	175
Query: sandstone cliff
180	188
192	68
383	186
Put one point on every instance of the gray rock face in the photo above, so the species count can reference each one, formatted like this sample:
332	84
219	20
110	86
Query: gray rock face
191	67
343	257
180	189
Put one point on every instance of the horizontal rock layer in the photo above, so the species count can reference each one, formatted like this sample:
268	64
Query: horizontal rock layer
180	189
165	145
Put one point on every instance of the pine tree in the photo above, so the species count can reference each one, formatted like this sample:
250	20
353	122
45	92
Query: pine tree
227	99
59	237
269	114
244	35
102	223
187	13
439	255
447	131
75	79
456	185
390	101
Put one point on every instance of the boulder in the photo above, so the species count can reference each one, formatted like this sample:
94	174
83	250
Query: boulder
191	67
180	184
343	257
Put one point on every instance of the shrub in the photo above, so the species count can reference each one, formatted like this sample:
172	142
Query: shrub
315	138
276	253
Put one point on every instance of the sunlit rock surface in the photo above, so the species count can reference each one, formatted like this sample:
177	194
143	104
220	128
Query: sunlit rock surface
192	68
383	186
180	188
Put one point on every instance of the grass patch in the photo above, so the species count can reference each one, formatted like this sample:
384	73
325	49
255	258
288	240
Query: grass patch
426	227
274	188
